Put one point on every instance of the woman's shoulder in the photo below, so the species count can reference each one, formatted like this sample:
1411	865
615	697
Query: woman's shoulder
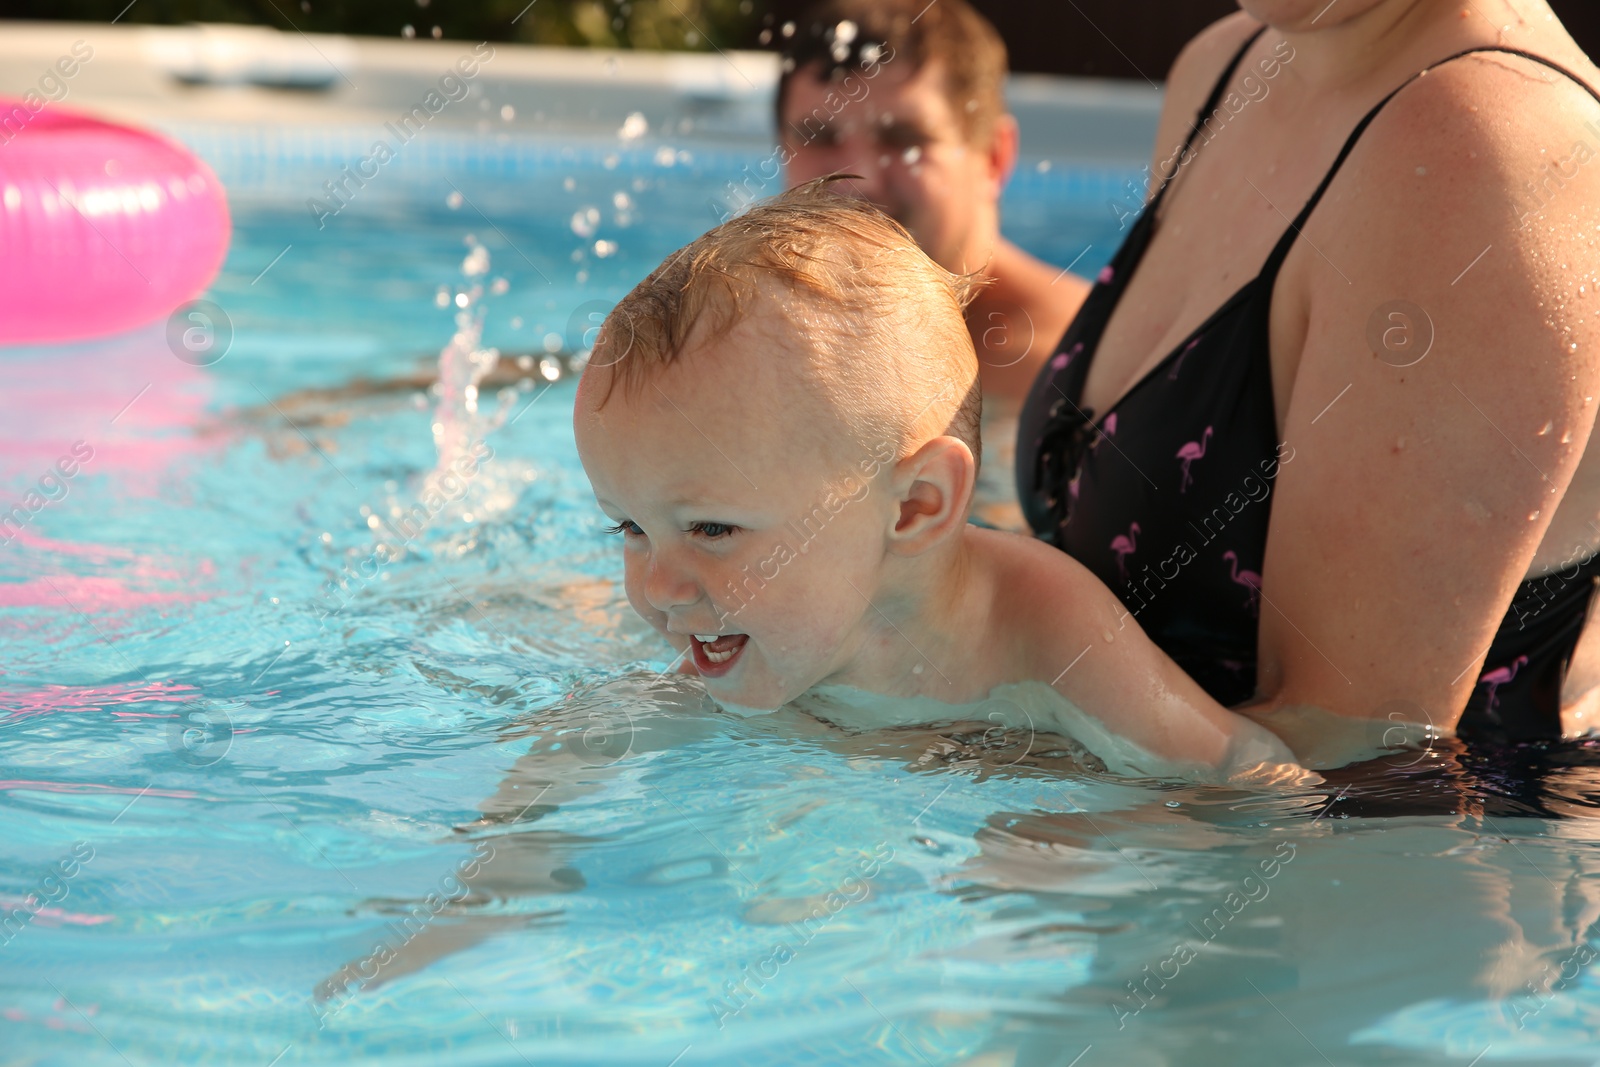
1200	62
1496	97
1193	73
1485	139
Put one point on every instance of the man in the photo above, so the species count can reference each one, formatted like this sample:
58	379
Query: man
911	97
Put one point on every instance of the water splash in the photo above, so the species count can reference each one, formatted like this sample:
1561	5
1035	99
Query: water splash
468	484
459	427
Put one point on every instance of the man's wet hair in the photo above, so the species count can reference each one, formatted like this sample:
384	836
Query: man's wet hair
835	38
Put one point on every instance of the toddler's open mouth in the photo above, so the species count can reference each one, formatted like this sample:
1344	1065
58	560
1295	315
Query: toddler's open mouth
714	655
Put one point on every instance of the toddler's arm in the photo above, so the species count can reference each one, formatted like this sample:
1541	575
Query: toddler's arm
1122	688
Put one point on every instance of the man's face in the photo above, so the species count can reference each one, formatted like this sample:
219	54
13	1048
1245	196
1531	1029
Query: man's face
896	129
743	514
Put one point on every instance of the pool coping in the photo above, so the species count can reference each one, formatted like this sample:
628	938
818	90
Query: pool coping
192	77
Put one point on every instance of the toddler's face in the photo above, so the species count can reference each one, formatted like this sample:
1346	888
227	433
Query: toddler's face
753	527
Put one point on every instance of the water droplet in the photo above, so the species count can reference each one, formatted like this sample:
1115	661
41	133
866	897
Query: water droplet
1532	515
634	127
603	249
1566	438
912	154
1546	428
788	29
453	201
1109	636
437	33
845	32
917	669
408	31
1422	172
508	112
552	342
461	300
585	220
499	286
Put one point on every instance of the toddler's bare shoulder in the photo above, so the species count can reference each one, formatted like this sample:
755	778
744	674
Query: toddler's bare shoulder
1040	587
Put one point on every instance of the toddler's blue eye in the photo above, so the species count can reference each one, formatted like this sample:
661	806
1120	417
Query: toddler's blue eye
626	526
713	530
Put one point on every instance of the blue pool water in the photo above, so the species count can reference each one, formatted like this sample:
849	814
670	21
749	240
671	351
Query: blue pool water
240	754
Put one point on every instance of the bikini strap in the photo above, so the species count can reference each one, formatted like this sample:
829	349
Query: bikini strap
1205	111
1286	242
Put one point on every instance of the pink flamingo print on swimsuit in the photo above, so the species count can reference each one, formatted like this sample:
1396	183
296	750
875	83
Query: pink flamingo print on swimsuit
1249	579
1500	676
1106	428
1061	359
1189	453
1177	364
1125	545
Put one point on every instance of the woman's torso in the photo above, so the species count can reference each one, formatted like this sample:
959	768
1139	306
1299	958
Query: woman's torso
1195	585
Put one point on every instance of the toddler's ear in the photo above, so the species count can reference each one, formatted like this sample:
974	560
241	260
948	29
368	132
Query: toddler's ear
934	486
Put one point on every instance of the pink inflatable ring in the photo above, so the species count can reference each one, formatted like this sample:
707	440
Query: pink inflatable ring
102	227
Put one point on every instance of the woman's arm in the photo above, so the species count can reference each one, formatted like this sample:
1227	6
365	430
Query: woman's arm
1418	495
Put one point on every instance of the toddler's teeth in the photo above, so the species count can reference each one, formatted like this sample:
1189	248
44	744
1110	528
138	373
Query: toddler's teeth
705	639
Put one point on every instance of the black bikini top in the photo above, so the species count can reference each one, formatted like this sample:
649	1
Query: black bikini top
1167	495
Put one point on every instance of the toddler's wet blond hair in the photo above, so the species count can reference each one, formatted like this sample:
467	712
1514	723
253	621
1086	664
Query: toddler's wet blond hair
884	322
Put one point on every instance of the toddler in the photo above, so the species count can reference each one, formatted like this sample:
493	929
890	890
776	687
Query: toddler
781	421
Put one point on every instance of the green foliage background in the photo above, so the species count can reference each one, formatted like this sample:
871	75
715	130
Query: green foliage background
694	25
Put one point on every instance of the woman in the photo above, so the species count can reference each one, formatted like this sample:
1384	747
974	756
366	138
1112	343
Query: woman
1358	480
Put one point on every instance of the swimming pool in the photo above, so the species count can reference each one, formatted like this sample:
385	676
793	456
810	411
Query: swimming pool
243	752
